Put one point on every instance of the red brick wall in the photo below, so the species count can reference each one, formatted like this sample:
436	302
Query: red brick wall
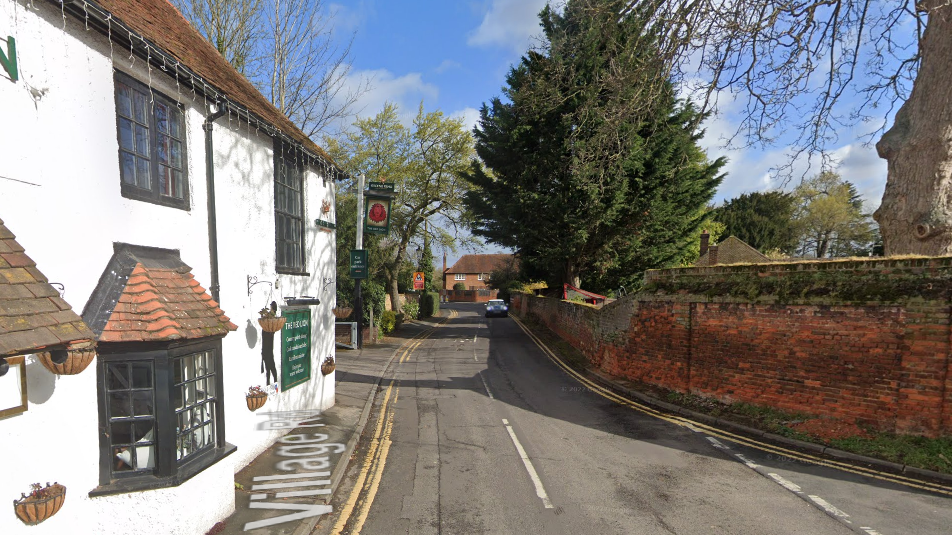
870	345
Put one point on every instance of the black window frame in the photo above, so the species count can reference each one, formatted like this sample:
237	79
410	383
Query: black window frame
287	157
152	195
167	471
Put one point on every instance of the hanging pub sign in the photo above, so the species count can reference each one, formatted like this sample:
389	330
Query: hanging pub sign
295	348
377	214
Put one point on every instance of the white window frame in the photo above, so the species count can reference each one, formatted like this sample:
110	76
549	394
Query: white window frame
459	276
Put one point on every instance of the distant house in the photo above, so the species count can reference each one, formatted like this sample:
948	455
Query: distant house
732	250
473	271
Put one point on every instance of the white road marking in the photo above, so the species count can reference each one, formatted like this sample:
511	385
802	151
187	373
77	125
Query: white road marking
717	443
533	475
828	507
258	496
505	421
311	483
292	476
792	487
302	493
749	463
486	386
871	531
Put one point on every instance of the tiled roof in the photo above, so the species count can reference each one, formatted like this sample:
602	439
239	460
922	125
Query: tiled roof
155	298
159	22
733	250
479	263
32	314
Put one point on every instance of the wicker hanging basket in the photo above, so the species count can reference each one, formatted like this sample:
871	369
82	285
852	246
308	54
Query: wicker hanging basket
32	510
272	325
328	366
76	361
256	401
343	312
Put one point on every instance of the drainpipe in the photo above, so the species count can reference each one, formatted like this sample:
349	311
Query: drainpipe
212	214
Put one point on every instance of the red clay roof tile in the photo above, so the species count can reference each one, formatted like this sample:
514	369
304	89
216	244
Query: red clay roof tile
32	315
158	304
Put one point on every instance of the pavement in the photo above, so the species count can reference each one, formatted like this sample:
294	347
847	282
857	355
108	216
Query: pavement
288	499
285	491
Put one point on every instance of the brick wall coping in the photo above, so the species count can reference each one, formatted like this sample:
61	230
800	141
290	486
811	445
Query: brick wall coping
847	264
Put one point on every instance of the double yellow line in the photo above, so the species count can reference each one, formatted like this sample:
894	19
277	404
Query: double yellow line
762	446
368	480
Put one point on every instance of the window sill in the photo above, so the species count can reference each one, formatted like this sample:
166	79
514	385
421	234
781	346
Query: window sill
148	482
286	271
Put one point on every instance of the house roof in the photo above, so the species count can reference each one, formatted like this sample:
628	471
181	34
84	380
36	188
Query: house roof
148	294
32	314
160	23
733	250
479	263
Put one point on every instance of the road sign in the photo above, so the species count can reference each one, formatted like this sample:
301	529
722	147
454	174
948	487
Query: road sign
377	214
418	280
358	263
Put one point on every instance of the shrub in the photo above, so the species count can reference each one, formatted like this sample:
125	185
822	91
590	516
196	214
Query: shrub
388	321
374	295
411	309
459	286
429	305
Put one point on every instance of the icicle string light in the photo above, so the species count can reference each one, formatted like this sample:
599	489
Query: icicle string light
182	73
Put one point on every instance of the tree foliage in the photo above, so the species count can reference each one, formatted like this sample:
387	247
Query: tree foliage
590	167
764	220
423	161
287	49
829	218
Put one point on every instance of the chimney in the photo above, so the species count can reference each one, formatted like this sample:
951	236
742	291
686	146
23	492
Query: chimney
712	255
705	240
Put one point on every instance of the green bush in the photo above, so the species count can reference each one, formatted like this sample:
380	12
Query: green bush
374	295
388	321
459	286
429	305
411	309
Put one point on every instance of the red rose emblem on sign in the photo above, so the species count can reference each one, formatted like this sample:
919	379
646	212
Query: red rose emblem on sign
378	213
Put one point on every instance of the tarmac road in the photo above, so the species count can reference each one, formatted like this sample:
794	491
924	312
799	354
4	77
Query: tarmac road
476	430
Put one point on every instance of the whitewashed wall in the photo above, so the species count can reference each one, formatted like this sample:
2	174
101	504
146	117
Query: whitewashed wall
60	195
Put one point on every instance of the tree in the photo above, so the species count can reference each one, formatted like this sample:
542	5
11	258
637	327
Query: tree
812	66
286	48
232	26
586	169
830	220
424	162
763	220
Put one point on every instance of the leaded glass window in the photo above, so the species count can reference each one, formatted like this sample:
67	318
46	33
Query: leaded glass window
288	209
152	145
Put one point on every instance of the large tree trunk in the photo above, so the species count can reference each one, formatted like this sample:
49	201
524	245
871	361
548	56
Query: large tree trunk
916	213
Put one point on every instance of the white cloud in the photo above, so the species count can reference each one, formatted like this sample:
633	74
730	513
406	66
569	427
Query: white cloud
469	115
446	65
406	91
347	19
509	24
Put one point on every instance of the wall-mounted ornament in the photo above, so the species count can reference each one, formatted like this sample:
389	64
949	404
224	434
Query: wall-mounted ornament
256	398
68	361
328	366
40	504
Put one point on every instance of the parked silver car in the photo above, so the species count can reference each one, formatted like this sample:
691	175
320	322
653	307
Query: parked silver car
496	307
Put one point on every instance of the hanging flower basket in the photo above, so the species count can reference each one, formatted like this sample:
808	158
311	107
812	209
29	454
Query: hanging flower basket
42	503
272	325
343	312
76	361
328	366
256	398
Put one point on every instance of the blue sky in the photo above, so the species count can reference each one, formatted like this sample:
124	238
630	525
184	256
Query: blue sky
454	55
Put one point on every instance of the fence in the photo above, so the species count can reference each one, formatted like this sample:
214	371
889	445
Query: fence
345	334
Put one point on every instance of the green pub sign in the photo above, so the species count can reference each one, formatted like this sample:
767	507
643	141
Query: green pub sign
358	263
296	348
